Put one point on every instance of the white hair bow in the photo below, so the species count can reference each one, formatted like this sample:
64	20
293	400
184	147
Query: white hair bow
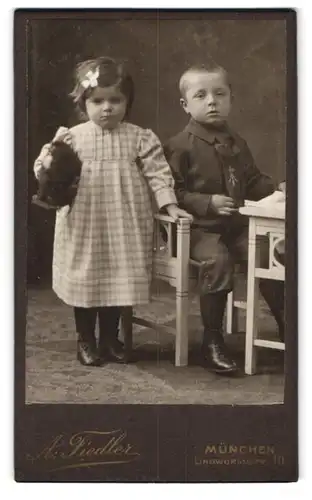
91	79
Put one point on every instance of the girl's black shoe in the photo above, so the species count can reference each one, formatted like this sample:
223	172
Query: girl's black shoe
112	351
86	354
115	352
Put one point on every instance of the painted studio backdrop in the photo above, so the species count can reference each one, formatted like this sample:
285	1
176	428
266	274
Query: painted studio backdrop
253	51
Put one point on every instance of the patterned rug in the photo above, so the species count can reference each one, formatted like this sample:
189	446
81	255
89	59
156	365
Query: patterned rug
53	374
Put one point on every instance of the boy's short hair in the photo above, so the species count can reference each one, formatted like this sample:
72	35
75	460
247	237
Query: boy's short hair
111	72
207	67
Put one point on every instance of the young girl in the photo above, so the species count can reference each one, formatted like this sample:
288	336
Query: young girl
103	244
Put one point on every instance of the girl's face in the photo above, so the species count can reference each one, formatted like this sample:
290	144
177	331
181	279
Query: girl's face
207	98
106	106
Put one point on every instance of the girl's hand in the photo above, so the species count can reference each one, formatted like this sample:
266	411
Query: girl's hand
178	213
63	134
47	160
282	187
44	160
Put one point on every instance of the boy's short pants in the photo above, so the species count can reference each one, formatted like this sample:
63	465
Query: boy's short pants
217	254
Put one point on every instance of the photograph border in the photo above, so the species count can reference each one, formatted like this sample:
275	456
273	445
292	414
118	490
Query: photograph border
153	443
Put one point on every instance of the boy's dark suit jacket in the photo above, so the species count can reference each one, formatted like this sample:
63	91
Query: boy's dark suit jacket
207	161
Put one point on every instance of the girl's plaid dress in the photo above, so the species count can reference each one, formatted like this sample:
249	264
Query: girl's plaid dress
103	244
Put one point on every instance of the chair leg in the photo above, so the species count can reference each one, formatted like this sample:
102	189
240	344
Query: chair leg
230	313
182	285
235	319
252	301
127	329
181	349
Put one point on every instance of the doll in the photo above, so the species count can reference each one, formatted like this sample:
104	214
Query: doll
58	181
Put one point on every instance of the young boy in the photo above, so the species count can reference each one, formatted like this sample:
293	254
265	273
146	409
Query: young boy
214	173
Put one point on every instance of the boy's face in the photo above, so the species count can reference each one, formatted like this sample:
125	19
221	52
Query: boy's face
106	106
207	97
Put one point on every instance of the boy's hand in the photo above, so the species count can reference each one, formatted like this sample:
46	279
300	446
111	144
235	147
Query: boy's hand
223	205
176	213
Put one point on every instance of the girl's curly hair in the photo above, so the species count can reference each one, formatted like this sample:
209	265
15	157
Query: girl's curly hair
111	72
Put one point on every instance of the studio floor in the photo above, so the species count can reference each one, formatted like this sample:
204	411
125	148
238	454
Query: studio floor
53	375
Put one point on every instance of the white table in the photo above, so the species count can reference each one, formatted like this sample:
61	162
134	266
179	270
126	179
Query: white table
263	221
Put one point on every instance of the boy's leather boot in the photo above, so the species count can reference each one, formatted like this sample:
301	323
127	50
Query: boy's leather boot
215	353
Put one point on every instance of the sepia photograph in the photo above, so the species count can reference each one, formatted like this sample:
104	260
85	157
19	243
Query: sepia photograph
199	136
156	209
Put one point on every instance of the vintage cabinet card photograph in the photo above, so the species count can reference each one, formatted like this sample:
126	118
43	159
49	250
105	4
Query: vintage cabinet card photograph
155	245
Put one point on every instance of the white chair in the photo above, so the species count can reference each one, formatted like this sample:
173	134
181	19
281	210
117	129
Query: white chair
172	264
